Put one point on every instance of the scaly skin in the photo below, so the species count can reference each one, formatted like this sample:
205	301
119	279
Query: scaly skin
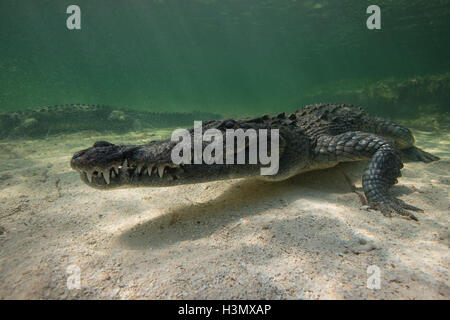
75	117
318	136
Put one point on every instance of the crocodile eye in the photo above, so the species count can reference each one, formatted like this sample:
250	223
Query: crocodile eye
102	144
229	124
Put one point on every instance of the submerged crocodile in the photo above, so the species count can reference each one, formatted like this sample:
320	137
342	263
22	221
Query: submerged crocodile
75	117
318	136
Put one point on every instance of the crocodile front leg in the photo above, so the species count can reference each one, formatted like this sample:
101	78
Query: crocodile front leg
381	173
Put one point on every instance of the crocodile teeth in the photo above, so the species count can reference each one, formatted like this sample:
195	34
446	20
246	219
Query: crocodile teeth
149	170
161	170
89	177
125	165
106	177
139	169
116	170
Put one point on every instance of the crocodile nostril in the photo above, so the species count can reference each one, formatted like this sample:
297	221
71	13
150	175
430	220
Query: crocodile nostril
74	162
229	124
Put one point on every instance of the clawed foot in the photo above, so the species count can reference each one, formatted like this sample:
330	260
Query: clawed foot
416	154
393	205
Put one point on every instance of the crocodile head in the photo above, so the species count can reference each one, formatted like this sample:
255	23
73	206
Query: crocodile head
106	165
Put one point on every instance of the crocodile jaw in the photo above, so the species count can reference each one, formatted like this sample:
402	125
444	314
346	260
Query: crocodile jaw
108	166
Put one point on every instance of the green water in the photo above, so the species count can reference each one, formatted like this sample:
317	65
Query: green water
225	56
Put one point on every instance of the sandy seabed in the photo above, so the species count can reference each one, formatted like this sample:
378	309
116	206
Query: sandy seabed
305	238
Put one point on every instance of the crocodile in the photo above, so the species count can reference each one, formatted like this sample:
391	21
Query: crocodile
316	137
67	118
